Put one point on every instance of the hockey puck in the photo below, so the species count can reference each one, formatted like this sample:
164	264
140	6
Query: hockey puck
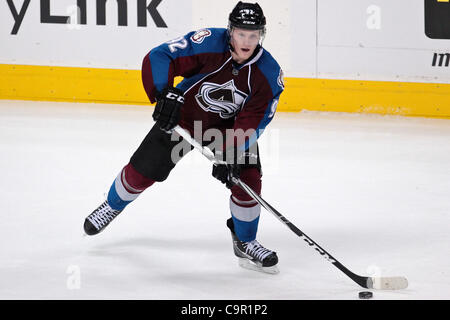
365	295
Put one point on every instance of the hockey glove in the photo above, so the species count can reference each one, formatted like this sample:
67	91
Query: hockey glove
225	172
168	108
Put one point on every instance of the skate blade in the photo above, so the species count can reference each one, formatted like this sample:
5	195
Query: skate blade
247	264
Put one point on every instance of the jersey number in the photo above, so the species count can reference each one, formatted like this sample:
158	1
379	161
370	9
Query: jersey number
178	43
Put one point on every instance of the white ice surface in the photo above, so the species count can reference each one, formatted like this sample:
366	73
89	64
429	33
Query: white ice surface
372	190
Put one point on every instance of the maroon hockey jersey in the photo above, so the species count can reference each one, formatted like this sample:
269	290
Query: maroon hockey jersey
218	92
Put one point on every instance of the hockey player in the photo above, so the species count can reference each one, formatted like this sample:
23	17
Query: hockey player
230	82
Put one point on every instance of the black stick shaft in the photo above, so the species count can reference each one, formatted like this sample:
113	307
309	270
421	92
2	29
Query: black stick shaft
362	281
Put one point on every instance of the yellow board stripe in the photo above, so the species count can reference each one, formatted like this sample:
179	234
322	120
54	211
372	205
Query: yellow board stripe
71	84
398	98
25	82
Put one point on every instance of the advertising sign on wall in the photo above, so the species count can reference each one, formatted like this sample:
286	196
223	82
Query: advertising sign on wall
437	19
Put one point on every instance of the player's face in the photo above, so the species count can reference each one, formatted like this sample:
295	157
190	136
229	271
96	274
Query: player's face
244	43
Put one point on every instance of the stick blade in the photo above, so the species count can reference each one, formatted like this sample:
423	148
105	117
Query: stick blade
389	283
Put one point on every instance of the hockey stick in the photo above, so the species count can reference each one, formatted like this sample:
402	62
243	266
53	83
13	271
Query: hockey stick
383	283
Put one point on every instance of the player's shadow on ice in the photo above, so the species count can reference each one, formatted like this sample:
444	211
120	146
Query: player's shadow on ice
157	252
194	244
174	260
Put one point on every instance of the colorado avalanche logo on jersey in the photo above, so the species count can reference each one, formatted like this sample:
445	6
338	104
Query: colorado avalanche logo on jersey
224	99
